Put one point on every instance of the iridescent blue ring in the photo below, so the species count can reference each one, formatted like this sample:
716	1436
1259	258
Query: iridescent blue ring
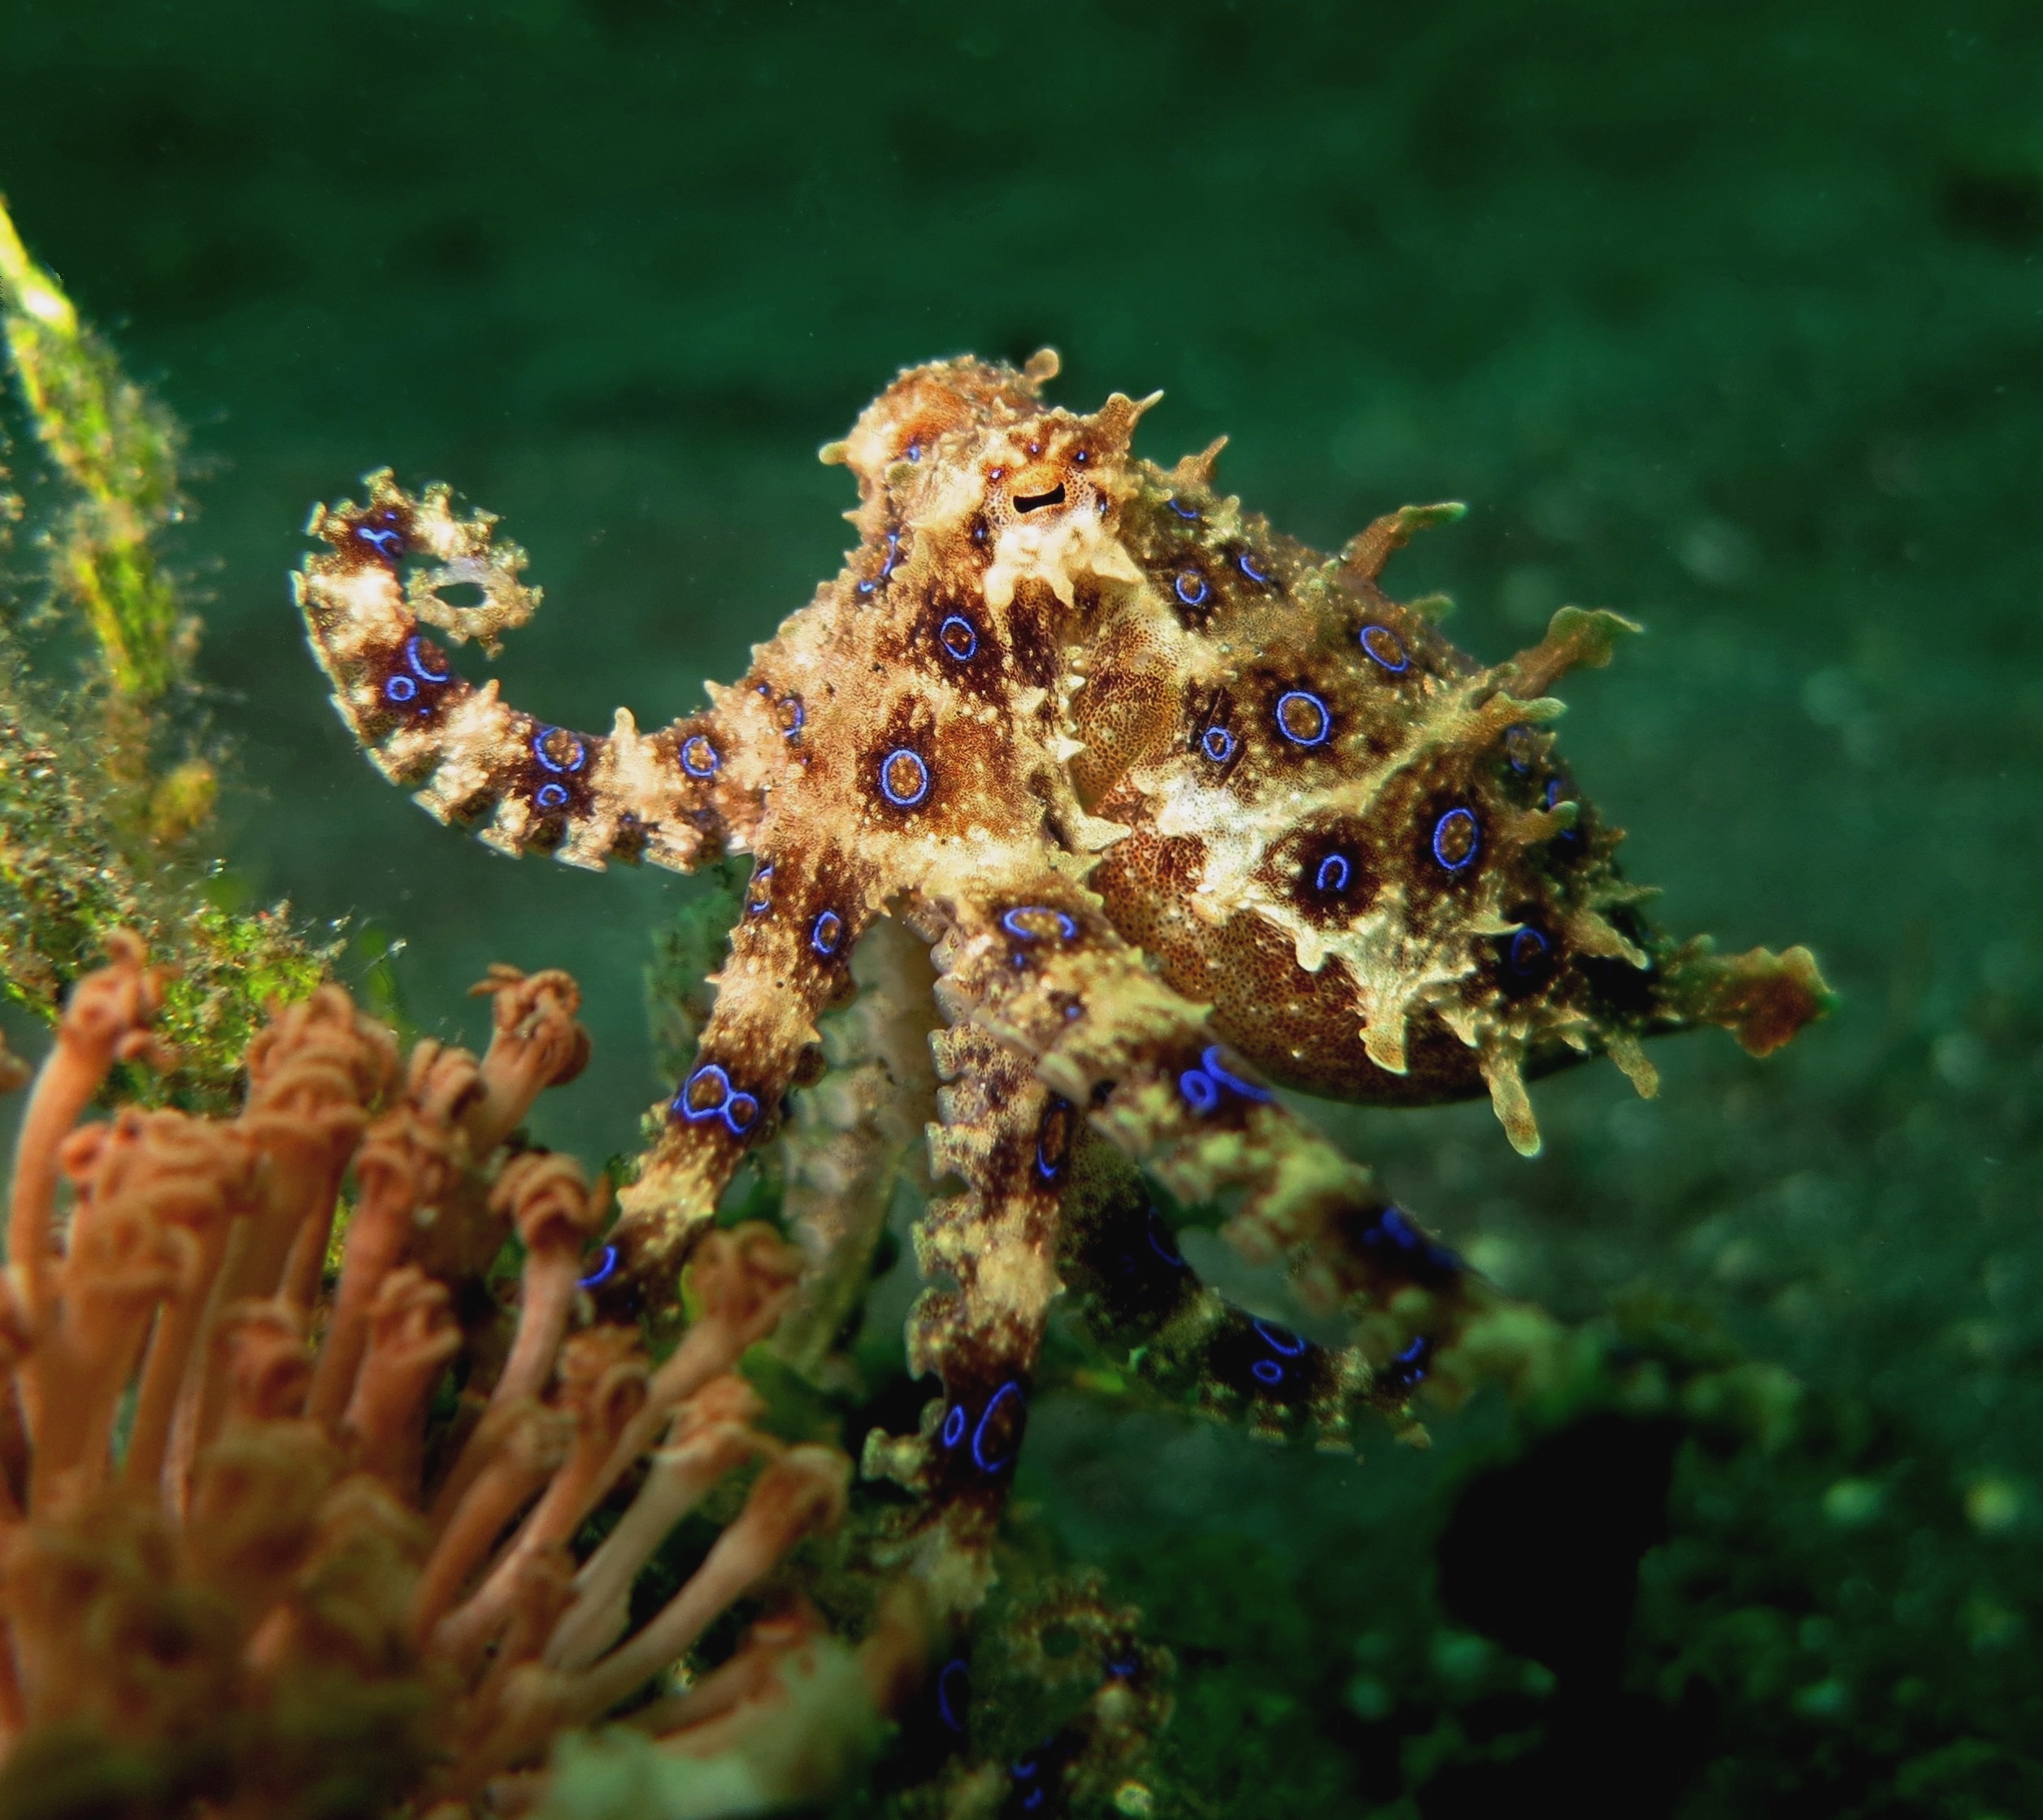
1201	1092
1184	511
1269	1371
1224	1077
1455	818
1279	1340
959	638
1067	925
826	932
389	543
702	763
1528	949
1191	587
1385	648
606	1268
400	688
759	897
904	799
539	751
979	1459
551	796
949	1693
411	656
1333	875
1246	564
1305	698
801	716
953	1429
1165	1248
1218	744
741	1110
710	1073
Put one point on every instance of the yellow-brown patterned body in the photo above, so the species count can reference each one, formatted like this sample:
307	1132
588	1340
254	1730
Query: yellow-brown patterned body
1178	805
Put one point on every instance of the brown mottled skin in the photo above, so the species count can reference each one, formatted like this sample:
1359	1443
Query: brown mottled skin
1172	799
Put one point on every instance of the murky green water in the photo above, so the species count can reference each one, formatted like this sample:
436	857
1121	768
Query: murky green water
1728	318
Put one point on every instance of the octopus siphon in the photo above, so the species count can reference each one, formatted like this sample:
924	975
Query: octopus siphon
1085	811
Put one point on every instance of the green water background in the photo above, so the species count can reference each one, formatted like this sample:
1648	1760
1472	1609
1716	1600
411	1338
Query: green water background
1728	317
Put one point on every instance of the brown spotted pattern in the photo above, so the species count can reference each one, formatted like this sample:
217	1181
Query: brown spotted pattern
1181	808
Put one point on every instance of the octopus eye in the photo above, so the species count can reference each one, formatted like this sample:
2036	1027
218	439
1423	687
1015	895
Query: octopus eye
915	451
1080	457
826	932
699	758
904	778
1218	744
1386	648
1302	719
1191	587
1457	838
958	637
400	688
1331	879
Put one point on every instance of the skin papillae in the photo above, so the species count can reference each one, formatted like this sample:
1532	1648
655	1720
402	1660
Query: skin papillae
1180	807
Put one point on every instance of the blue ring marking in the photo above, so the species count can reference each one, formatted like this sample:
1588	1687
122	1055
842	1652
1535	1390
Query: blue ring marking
1200	1091
969	640
1121	1668
400	688
957	1669
1218	1070
1516	740
758	900
700	765
710	1073
1050	1168
411	657
1279	1340
953	1428
904	799
539	752
1183	511
1011	1389
826	932
1269	1371
551	796
1375	647
1168	1251
1188	579
1333	875
1475	839
800	715
1407	1369
867	587
605	1269
388	541
1393	1233
1218	744
1317	707
1528	949
740	1111
893	555
1246	564
1067	925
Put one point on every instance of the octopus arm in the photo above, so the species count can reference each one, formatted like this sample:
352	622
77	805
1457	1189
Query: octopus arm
1038	967
674	797
990	1250
789	959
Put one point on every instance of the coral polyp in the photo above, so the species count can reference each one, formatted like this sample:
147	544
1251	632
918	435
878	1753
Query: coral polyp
1180	808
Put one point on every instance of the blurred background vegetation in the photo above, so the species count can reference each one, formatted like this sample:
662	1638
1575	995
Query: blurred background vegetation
1730	318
